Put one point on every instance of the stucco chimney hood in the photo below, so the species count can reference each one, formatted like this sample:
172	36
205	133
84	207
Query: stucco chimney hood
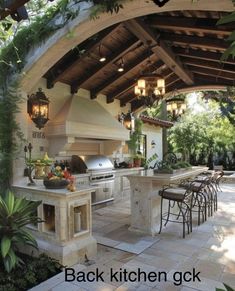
84	118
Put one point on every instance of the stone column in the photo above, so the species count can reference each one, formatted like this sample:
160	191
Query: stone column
164	130
22	120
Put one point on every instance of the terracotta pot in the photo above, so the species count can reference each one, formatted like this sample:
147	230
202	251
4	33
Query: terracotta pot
137	163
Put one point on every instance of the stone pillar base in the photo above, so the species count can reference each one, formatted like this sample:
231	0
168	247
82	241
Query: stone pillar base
71	253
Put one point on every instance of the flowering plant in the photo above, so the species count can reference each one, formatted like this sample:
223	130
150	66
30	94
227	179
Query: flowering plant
58	174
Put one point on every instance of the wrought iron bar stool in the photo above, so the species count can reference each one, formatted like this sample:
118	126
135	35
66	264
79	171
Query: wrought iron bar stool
215	184
179	208
199	197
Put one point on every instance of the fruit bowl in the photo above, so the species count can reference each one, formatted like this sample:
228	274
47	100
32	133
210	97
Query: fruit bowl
55	183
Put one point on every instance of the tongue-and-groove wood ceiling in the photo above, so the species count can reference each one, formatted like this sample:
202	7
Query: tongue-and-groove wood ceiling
184	46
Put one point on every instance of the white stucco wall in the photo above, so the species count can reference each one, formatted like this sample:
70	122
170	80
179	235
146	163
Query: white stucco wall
60	93
153	133
58	96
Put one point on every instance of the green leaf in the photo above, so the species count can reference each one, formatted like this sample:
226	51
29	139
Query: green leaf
232	36
10	200
228	288
13	257
7	264
5	246
226	19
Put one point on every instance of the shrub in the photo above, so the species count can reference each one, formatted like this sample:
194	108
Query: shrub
15	214
32	273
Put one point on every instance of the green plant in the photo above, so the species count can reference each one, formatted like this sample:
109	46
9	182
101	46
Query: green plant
227	288
32	273
176	166
135	136
15	214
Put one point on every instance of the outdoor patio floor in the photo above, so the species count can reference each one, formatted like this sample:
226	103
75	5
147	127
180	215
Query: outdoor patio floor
210	249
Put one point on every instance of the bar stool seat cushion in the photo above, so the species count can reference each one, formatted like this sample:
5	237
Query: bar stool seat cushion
176	194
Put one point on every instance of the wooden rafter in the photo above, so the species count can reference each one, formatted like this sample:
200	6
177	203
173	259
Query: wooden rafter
89	49
201	81
127	98
171	80
130	83
159	48
210	65
143	59
130	45
192	24
195	41
202	55
212	80
212	72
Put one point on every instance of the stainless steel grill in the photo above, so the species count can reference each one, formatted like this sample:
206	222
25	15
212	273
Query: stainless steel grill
101	173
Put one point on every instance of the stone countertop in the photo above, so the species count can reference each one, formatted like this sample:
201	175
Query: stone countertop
81	175
61	192
119	170
149	174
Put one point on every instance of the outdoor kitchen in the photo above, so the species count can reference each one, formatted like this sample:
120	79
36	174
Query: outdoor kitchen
84	138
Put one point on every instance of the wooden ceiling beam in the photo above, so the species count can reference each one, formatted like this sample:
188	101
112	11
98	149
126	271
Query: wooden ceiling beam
88	50
211	80
116	77
130	83
203	55
169	80
189	24
174	78
122	51
128	98
200	81
12	8
210	65
195	41
213	73
164	53
121	90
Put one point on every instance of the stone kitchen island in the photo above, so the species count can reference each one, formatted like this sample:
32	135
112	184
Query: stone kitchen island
145	200
66	231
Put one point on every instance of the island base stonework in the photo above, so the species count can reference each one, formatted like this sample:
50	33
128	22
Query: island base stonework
145	200
65	233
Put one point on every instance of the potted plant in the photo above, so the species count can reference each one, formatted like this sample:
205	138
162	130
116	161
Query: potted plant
133	143
138	160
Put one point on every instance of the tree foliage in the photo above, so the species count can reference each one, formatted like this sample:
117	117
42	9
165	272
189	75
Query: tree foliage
201	135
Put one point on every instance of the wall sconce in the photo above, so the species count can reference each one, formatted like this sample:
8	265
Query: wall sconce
38	108
127	120
102	58
153	144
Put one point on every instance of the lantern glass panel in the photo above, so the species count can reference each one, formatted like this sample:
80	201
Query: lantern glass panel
141	84
168	107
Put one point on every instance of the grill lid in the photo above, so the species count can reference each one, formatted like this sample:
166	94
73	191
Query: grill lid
83	164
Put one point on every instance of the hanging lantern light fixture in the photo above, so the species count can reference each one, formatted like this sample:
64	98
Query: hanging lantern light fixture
176	107
38	108
150	88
